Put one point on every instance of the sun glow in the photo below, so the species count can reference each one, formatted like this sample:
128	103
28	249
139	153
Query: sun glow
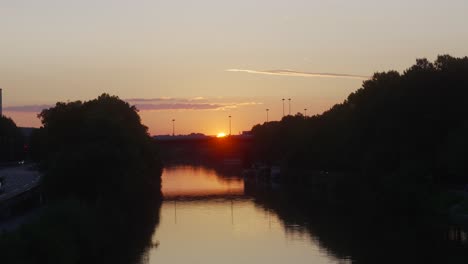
221	134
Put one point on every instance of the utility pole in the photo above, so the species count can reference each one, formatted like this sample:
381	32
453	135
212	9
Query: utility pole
229	125
289	99
173	127
283	107
305	112
267	113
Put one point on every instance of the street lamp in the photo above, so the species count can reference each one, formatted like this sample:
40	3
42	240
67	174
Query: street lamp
229	125
267	113
305	112
283	107
173	127
289	99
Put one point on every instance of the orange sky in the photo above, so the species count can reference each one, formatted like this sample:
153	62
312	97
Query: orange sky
231	53
207	115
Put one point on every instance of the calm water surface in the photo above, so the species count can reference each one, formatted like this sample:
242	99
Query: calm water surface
207	218
212	216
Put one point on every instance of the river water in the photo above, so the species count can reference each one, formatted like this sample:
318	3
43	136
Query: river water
211	216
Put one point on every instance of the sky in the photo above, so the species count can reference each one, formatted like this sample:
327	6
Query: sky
200	61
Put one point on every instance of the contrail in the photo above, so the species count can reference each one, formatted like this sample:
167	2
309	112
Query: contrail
302	74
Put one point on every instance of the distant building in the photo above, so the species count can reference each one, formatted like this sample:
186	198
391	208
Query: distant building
1	107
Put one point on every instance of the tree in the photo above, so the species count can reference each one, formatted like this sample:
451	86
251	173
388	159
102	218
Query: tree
96	149
11	140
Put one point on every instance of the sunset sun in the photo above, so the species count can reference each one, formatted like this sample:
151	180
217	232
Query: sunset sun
221	135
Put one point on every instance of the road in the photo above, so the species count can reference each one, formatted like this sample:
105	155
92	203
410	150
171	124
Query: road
18	180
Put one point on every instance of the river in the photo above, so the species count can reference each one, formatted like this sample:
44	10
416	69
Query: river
211	216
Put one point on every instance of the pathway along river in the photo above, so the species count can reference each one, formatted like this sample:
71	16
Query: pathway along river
213	217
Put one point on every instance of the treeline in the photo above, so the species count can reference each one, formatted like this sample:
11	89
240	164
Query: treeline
11	141
101	185
398	136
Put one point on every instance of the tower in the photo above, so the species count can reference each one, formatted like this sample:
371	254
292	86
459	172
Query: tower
1	112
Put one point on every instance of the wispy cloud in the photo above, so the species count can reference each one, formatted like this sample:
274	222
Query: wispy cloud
195	103
26	108
198	98
158	99
241	104
164	99
159	104
301	74
195	106
177	106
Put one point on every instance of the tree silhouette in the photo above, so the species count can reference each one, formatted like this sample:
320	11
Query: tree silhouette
95	148
11	140
398	133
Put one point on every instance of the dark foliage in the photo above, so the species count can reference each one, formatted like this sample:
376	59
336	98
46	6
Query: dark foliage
95	149
102	183
11	141
399	135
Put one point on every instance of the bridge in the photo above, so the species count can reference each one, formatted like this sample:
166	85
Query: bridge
227	149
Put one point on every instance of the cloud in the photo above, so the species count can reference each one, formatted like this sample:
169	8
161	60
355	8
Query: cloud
237	105
164	99
26	108
159	99
155	104
301	74
195	103
198	98
194	106
177	106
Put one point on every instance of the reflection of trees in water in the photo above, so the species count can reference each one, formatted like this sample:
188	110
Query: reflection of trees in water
129	221
117	229
71	231
136	239
365	238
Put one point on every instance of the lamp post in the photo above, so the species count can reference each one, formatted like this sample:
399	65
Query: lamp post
283	107
267	113
229	125
173	127
289	100
305	112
